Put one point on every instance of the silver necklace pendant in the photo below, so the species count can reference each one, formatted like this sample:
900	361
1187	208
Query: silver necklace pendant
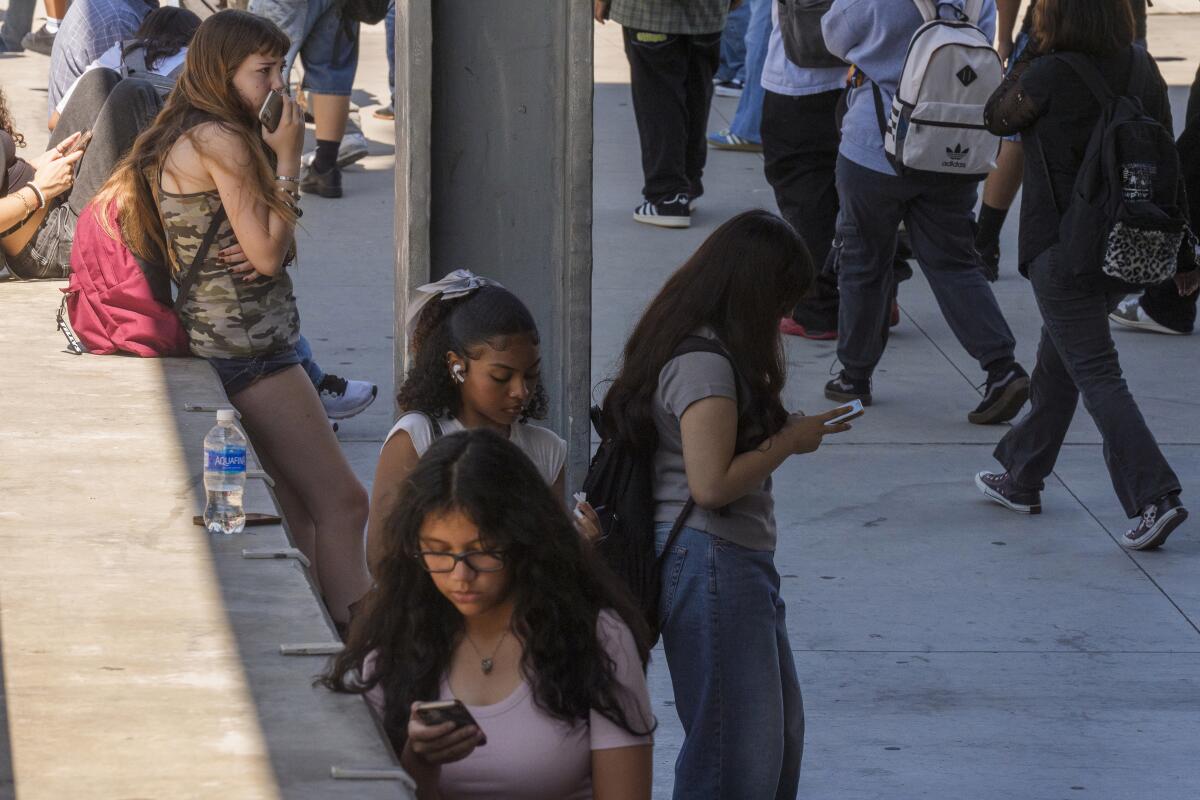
486	665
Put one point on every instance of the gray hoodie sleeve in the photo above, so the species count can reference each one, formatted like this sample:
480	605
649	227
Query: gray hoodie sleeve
840	30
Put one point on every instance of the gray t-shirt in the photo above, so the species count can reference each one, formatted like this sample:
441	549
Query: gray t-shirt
748	521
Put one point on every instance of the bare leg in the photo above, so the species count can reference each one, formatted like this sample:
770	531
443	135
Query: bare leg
330	111
56	9
300	524
287	424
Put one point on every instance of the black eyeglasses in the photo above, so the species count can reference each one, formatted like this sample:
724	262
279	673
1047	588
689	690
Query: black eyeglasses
477	560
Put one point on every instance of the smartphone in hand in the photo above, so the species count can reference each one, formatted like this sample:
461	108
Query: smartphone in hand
81	143
271	111
853	410
438	711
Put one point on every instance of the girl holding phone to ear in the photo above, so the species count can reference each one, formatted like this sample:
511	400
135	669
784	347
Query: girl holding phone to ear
206	161
486	593
476	364
721	430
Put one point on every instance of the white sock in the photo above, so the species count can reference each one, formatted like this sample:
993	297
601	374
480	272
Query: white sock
52	25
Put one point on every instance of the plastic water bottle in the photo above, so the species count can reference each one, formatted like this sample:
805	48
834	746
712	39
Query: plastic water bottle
225	475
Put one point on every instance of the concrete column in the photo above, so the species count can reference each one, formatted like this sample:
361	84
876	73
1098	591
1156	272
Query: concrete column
494	172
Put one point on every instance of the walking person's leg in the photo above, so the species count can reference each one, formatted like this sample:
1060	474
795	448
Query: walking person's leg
747	120
863	250
330	58
941	229
732	68
800	144
286	422
1077	321
1160	309
18	21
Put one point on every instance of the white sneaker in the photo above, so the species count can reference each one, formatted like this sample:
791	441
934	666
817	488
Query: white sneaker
1131	315
344	398
353	148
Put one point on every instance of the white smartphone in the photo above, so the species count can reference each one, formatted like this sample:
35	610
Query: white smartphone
854	410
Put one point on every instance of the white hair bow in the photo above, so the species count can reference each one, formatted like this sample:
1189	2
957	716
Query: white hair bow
459	283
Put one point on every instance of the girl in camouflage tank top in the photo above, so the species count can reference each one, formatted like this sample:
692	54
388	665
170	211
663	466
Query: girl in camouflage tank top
206	152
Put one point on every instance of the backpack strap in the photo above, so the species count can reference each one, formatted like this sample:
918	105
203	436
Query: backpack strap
676	529
133	62
1087	72
188	278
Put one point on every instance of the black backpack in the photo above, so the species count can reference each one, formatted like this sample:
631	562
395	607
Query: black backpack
620	487
368	12
133	65
1124	227
800	29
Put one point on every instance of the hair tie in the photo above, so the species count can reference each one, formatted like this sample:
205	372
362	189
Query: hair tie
459	283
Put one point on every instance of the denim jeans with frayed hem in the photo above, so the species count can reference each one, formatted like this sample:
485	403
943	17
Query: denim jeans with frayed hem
734	679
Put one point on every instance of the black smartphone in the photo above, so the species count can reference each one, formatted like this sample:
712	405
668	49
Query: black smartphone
438	711
271	111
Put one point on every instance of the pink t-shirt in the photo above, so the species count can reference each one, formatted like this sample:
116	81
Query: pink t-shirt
530	755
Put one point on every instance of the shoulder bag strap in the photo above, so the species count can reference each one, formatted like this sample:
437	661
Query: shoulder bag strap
188	278
677	527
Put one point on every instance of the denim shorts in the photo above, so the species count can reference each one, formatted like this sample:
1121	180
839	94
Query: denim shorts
237	374
326	43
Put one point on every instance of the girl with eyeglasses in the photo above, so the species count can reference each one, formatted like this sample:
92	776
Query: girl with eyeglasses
486	593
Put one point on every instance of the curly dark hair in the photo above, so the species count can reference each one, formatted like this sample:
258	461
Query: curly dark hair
558	588
460	325
6	123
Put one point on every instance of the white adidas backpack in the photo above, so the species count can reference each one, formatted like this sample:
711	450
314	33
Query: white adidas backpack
950	72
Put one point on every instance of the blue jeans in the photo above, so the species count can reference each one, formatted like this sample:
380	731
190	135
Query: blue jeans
734	679
389	25
305	354
748	119
733	46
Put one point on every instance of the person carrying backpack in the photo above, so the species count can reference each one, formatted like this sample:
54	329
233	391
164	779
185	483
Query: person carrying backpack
892	168
1054	101
715	428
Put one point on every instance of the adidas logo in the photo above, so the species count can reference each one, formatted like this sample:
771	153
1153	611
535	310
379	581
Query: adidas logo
966	75
956	157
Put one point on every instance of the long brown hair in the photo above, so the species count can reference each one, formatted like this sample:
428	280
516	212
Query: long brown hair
6	123
1094	27
221	44
750	272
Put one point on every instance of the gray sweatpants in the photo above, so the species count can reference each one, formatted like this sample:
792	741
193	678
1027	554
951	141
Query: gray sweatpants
938	216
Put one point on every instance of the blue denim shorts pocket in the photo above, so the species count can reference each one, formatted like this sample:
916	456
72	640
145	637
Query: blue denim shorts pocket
237	374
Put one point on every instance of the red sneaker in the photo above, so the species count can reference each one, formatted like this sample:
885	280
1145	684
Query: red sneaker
792	328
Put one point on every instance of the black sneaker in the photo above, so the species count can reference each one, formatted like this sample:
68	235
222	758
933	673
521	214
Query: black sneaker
39	41
672	212
990	259
1001	488
1006	392
843	389
326	184
1158	520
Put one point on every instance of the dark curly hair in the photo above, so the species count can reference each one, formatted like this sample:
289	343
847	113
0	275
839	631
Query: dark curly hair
461	325
6	123
558	588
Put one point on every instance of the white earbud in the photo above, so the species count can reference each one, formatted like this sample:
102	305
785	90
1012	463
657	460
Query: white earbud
458	372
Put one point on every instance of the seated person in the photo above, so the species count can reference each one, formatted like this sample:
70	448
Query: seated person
37	242
487	594
156	52
89	28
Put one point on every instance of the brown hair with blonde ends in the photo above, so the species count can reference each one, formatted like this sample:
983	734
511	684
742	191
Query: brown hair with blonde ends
205	88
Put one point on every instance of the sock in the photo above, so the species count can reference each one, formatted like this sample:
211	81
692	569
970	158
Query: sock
991	220
52	24
326	158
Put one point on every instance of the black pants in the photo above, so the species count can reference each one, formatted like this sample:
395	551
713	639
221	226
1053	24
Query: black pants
1076	357
1166	307
671	77
800	139
115	111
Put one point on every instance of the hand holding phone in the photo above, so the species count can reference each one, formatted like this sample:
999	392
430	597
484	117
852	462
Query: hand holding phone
271	111
440	732
79	144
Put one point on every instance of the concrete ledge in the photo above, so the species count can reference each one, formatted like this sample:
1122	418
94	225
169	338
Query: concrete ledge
140	655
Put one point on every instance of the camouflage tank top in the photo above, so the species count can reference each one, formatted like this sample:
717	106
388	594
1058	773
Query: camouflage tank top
224	316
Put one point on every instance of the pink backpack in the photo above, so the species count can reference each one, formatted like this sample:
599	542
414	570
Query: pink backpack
118	303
